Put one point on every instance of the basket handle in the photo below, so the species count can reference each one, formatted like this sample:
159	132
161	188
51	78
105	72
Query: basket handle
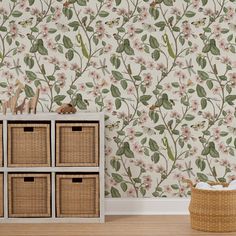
189	182
28	179
77	180
28	129
77	128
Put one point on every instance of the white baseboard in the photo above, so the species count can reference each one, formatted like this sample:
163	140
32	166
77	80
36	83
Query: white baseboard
146	206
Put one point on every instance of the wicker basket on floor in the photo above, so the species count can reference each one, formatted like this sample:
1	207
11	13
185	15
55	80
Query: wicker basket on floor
77	144
213	210
77	195
1	145
29	195
28	145
1	195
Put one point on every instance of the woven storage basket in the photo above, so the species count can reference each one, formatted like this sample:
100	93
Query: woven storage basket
1	195
77	195
28	145
29	195
1	145
213	210
77	144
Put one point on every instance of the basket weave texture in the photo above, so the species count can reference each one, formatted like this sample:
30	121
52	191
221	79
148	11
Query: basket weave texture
1	145
28	145
1	195
77	195
77	144
213	210
29	195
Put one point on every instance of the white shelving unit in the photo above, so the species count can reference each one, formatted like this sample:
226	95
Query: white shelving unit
53	118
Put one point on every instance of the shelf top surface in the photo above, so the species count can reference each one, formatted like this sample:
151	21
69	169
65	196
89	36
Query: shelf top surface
54	116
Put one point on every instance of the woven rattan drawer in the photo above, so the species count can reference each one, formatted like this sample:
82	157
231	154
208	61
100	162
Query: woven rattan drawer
28	145
1	146
29	195
77	144
1	195
77	195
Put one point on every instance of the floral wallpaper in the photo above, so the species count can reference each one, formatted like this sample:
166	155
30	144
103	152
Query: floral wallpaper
163	71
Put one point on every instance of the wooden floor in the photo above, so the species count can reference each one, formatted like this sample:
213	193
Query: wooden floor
114	226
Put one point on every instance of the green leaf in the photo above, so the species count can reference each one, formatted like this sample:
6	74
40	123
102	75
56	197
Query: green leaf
153	145
206	48
154	13
103	13
118	178
3	28
117	75
213	152
200	91
58	99
114	192
82	2
204	2
31	2
200	164
203	75
41	49
168	2
128	153
3	84
67	42
215	50
230	98
115	91
17	13
118	103
203	103
190	14
115	164
31	75
51	78
124	186
69	54
189	117
155	55
29	91
118	2
144	99
153	42
155	157
209	84
202	177
175	186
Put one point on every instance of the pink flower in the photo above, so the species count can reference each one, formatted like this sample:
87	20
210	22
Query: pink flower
131	31
131	192
13	30
108	151
175	114
186	133
223	149
100	30
194	105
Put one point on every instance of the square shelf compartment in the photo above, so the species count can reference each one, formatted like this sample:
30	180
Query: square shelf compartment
77	144
28	144
77	195
29	195
1	194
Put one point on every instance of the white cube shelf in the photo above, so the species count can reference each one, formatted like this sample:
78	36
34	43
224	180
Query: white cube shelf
52	118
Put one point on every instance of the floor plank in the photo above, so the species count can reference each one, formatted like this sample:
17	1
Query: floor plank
114	226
